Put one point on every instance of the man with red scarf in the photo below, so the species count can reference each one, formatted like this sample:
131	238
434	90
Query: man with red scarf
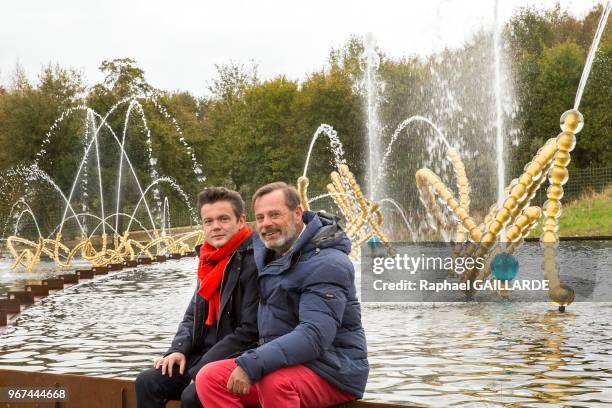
221	319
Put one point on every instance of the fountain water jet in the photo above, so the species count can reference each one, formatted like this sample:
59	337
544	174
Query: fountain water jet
334	143
591	56
499	118
123	246
402	214
396	133
372	88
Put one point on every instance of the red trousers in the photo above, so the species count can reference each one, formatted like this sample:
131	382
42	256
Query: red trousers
295	386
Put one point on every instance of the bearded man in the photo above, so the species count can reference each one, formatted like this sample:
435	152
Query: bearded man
221	319
312	346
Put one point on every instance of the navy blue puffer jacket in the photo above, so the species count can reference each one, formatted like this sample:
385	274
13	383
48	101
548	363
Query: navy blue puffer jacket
308	312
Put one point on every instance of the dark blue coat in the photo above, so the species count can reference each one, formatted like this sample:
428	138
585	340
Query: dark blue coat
236	327
308	312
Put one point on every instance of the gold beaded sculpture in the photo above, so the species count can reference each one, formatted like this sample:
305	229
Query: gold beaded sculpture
363	217
124	248
515	214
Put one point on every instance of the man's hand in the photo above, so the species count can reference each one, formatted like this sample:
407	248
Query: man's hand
239	382
168	362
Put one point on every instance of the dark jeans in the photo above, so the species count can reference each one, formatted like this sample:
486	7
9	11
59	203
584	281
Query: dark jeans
153	389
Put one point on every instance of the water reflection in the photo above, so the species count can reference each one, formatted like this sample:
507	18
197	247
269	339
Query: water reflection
467	354
523	354
17	278
112	326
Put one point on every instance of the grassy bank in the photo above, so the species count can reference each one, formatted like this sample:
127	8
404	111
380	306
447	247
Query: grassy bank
589	215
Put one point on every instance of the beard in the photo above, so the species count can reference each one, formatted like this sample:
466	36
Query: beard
284	241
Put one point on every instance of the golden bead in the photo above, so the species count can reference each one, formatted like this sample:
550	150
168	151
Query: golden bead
469	224
302	182
549	237
562	294
439	186
445	195
550	224
533	213
521	221
495	227
552	208
453	204
534	169
475	234
461	213
571	121
487	238
519	192
513	233
514	213
566	141
510	203
526	179
542	160
554	191
562	158
558	175
550	149
503	215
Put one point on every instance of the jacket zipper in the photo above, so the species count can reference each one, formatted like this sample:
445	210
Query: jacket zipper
195	314
221	288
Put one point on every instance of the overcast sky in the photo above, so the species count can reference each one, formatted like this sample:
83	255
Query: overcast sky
178	45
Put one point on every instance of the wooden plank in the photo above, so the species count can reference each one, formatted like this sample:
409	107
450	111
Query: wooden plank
25	298
100	270
85	273
70	278
97	392
38	290
10	305
54	283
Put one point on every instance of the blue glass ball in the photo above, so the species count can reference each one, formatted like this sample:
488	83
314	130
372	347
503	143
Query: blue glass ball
504	267
374	242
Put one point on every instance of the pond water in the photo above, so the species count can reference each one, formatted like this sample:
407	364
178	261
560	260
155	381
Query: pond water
431	354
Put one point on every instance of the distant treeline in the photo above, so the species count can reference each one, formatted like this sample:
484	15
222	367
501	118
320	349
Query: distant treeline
250	131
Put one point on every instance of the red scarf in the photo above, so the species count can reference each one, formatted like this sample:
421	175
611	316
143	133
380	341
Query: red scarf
211	268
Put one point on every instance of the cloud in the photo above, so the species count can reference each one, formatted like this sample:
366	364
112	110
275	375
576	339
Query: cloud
178	46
